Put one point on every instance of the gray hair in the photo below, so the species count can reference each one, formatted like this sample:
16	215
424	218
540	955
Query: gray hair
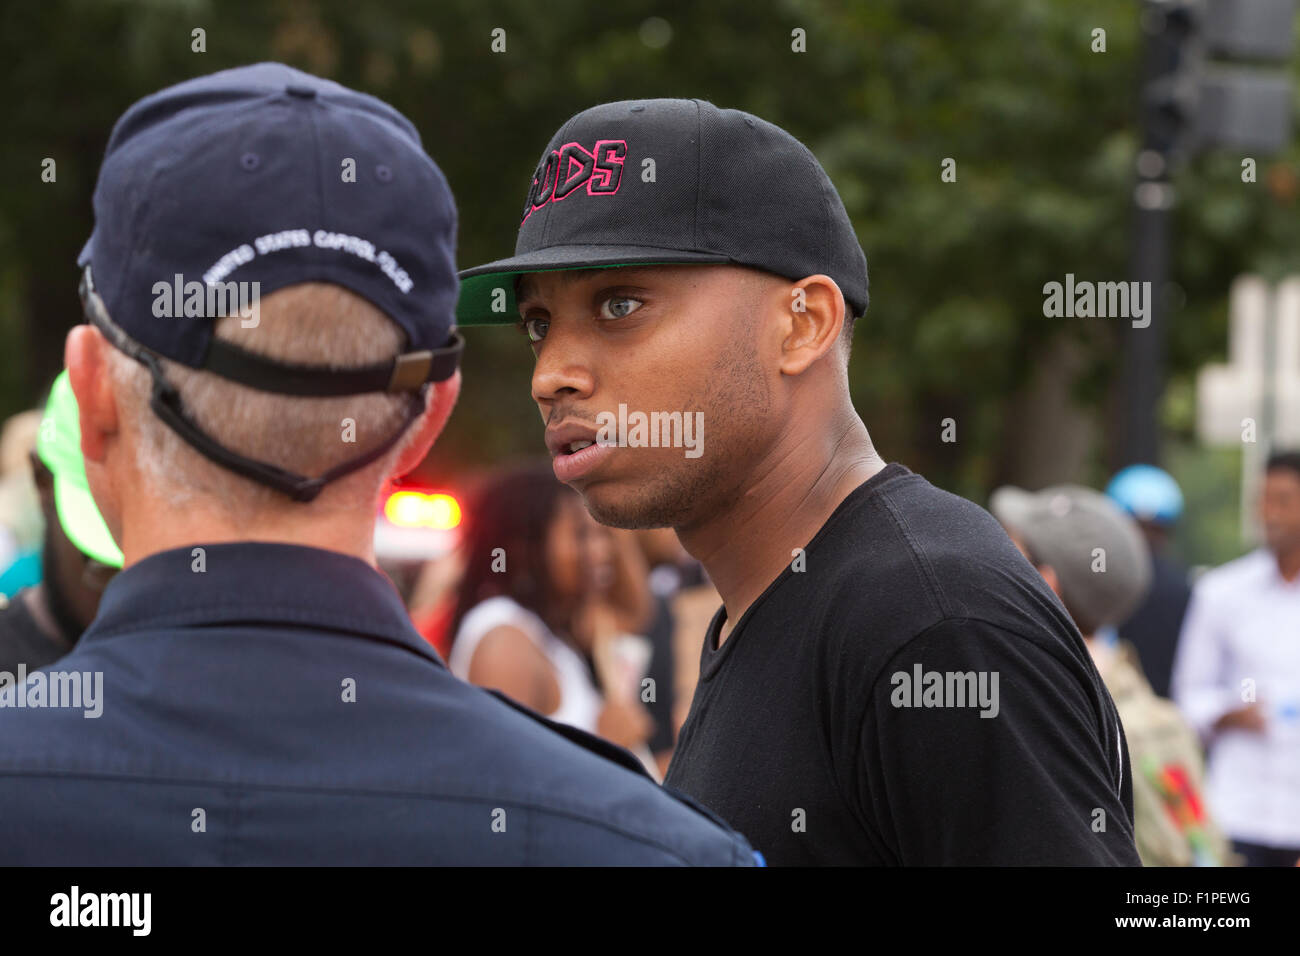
313	323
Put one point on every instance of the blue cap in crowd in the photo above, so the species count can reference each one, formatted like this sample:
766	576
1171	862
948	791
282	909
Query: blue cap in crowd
1147	493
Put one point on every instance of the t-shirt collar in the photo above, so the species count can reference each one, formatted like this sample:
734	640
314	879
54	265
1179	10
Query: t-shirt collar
712	656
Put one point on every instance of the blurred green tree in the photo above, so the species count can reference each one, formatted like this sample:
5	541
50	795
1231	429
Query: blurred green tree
1040	128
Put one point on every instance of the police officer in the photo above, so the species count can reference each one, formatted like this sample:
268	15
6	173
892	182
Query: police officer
265	698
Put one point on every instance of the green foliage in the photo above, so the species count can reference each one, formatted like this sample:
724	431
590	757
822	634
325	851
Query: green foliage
1041	129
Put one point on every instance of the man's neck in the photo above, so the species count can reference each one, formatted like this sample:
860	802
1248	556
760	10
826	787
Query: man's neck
748	545
149	528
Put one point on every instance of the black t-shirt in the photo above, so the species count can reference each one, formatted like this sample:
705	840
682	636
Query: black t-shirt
22	641
915	695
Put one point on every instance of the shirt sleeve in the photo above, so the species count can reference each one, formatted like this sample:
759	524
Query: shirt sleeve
1199	683
1022	775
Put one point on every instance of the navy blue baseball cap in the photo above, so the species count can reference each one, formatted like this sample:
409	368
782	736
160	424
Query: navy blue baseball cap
673	181
268	175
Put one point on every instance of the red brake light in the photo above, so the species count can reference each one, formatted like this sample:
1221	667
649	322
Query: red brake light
418	509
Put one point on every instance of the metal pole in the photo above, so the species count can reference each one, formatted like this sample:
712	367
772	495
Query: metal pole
1143	371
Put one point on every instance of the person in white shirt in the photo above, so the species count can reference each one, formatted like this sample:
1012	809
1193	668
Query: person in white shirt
1237	678
542	586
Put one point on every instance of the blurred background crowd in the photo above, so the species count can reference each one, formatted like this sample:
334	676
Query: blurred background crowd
956	370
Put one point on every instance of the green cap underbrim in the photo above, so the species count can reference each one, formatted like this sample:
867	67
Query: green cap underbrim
487	292
58	444
82	522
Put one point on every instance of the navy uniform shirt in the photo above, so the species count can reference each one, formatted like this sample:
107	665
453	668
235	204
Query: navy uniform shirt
277	707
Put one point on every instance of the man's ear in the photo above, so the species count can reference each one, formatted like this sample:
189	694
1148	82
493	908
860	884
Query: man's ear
817	315
84	355
442	399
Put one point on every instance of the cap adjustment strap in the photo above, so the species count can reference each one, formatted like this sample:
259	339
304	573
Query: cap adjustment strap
166	404
406	373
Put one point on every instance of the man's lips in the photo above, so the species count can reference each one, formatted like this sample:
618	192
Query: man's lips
561	438
579	464
574	451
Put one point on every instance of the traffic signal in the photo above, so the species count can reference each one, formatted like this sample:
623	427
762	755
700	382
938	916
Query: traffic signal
1214	75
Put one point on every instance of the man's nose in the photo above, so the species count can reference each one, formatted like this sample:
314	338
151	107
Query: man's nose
563	369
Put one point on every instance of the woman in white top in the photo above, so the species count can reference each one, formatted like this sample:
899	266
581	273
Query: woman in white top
538	572
499	639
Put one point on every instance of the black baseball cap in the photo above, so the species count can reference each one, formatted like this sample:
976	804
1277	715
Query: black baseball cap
265	174
668	181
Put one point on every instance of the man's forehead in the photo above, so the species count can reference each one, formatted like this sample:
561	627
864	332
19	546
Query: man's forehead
526	283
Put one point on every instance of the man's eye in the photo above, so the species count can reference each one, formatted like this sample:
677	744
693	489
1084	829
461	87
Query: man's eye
618	307
535	329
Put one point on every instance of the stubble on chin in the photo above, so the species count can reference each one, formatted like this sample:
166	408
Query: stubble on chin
679	493
661	500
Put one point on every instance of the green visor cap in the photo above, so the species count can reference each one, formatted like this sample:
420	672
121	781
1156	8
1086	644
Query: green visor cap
59	446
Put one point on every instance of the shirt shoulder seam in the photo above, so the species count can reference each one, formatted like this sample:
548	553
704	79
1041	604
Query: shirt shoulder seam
933	588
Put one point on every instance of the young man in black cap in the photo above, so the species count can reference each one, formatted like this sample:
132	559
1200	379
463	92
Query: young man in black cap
265	698
888	681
